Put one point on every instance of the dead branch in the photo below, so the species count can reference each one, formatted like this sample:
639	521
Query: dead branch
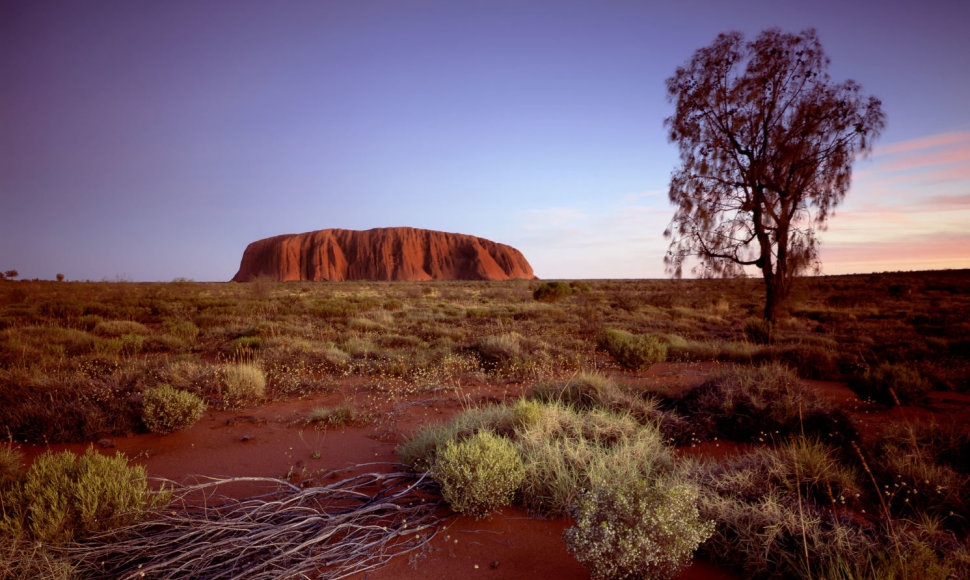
292	531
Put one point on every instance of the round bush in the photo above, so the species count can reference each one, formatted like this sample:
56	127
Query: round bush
479	474
166	409
643	529
552	291
64	496
631	350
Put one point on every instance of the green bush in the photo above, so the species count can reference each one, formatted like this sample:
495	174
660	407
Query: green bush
552	291
643	529
890	383
63	496
166	409
479	474
631	350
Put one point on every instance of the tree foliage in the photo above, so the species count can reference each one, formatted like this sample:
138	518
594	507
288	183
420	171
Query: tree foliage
767	142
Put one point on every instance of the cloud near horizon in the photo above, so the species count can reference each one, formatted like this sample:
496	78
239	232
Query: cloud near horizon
908	210
623	239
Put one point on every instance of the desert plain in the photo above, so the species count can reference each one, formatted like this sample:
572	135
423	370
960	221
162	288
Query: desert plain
833	443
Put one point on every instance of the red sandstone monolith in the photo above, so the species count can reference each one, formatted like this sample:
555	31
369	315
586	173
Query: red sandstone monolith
381	254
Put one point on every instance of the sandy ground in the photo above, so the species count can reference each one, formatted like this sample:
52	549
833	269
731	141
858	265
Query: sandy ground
274	440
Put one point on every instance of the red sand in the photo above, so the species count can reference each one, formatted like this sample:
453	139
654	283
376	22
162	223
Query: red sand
273	439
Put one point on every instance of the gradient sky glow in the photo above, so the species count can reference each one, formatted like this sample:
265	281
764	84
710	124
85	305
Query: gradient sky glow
144	140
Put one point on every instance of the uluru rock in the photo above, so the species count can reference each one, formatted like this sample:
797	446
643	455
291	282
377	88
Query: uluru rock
381	254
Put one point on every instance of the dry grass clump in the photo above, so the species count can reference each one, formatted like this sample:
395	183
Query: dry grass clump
758	404
501	349
890	384
563	450
338	416
612	472
26	559
586	391
923	469
119	328
779	514
631	350
243	382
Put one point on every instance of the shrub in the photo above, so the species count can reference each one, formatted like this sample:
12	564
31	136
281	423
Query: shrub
766	531
183	329
64	496
642	529
166	409
496	350
748	404
243	382
552	291
590	390
343	414
246	344
758	330
11	464
119	328
630	350
479	474
890	383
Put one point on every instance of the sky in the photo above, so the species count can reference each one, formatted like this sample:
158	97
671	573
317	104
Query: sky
144	140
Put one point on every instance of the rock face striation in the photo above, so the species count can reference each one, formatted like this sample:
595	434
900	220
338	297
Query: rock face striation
381	254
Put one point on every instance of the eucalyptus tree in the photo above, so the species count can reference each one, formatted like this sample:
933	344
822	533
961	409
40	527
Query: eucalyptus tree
767	141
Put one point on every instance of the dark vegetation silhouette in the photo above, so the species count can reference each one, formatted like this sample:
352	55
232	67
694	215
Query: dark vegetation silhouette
767	142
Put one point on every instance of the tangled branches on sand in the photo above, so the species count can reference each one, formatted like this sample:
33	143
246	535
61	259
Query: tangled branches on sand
294	531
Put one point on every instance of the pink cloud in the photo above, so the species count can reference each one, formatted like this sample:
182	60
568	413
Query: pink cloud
922	143
933	251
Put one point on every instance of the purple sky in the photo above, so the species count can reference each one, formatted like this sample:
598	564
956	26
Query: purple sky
146	140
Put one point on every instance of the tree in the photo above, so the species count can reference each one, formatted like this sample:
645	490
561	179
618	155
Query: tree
10	274
766	143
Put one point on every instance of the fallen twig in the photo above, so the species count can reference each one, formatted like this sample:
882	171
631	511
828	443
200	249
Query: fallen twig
294	531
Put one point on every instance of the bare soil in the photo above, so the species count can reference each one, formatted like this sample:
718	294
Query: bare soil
275	440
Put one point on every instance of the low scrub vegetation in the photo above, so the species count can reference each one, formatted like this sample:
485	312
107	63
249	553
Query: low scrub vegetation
553	291
630	350
642	529
805	495
166	409
83	353
478	474
63	497
758	404
612	472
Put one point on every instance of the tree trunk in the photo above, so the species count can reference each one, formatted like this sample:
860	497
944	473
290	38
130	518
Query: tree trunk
776	292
